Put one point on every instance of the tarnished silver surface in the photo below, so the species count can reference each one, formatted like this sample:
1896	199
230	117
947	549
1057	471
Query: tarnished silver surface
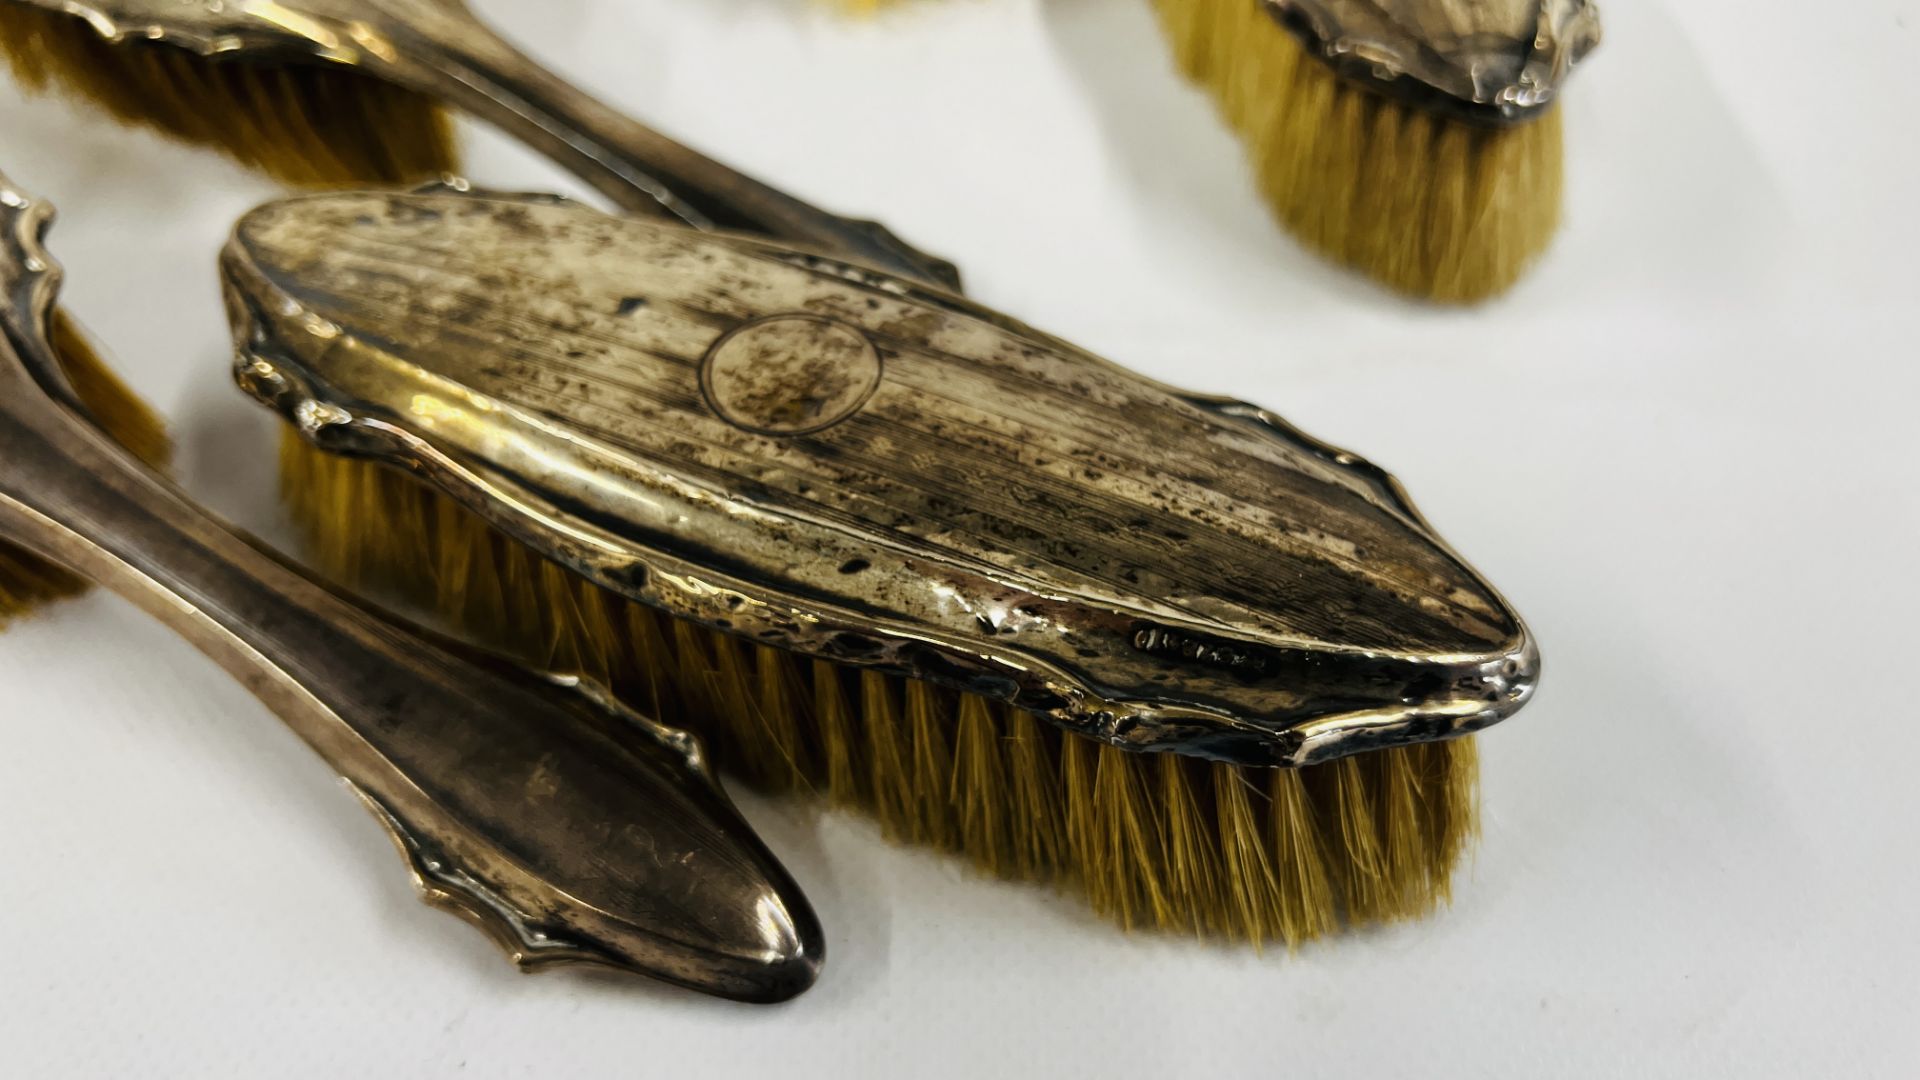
569	830
1491	61
839	463
439	48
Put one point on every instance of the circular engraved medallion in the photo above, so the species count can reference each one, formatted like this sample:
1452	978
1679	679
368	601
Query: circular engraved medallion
790	374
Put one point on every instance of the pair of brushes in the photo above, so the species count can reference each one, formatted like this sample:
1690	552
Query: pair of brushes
343	92
1415	141
631	858
889	548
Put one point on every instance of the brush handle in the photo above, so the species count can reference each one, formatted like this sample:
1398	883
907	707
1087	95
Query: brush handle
569	831
452	56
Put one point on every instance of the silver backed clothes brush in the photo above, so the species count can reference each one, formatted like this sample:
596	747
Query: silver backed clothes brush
1419	142
242	74
569	829
881	543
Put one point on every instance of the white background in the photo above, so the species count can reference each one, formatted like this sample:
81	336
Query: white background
1682	447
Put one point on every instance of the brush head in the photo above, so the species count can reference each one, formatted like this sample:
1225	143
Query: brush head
291	113
1150	840
1493	62
835	463
1433	203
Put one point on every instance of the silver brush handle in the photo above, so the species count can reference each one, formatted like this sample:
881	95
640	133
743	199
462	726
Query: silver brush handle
566	830
569	830
454	57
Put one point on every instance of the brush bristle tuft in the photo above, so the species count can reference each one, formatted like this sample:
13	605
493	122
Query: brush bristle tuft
1426	205
1152	841
27	581
308	124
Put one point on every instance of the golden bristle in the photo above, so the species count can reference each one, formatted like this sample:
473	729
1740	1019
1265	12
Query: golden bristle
650	681
1034	799
27	581
1151	840
109	402
980	775
1430	206
755	755
930	717
837	727
1253	894
308	124
1347	802
1080	834
889	782
1306	896
785	709
1128	862
1403	837
1190	842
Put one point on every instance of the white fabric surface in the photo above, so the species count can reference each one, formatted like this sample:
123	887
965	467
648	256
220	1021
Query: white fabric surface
1680	448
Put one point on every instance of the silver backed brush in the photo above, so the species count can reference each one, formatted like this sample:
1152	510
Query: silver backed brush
838	464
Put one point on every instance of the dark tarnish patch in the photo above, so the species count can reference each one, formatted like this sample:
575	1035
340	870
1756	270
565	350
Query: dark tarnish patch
516	220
